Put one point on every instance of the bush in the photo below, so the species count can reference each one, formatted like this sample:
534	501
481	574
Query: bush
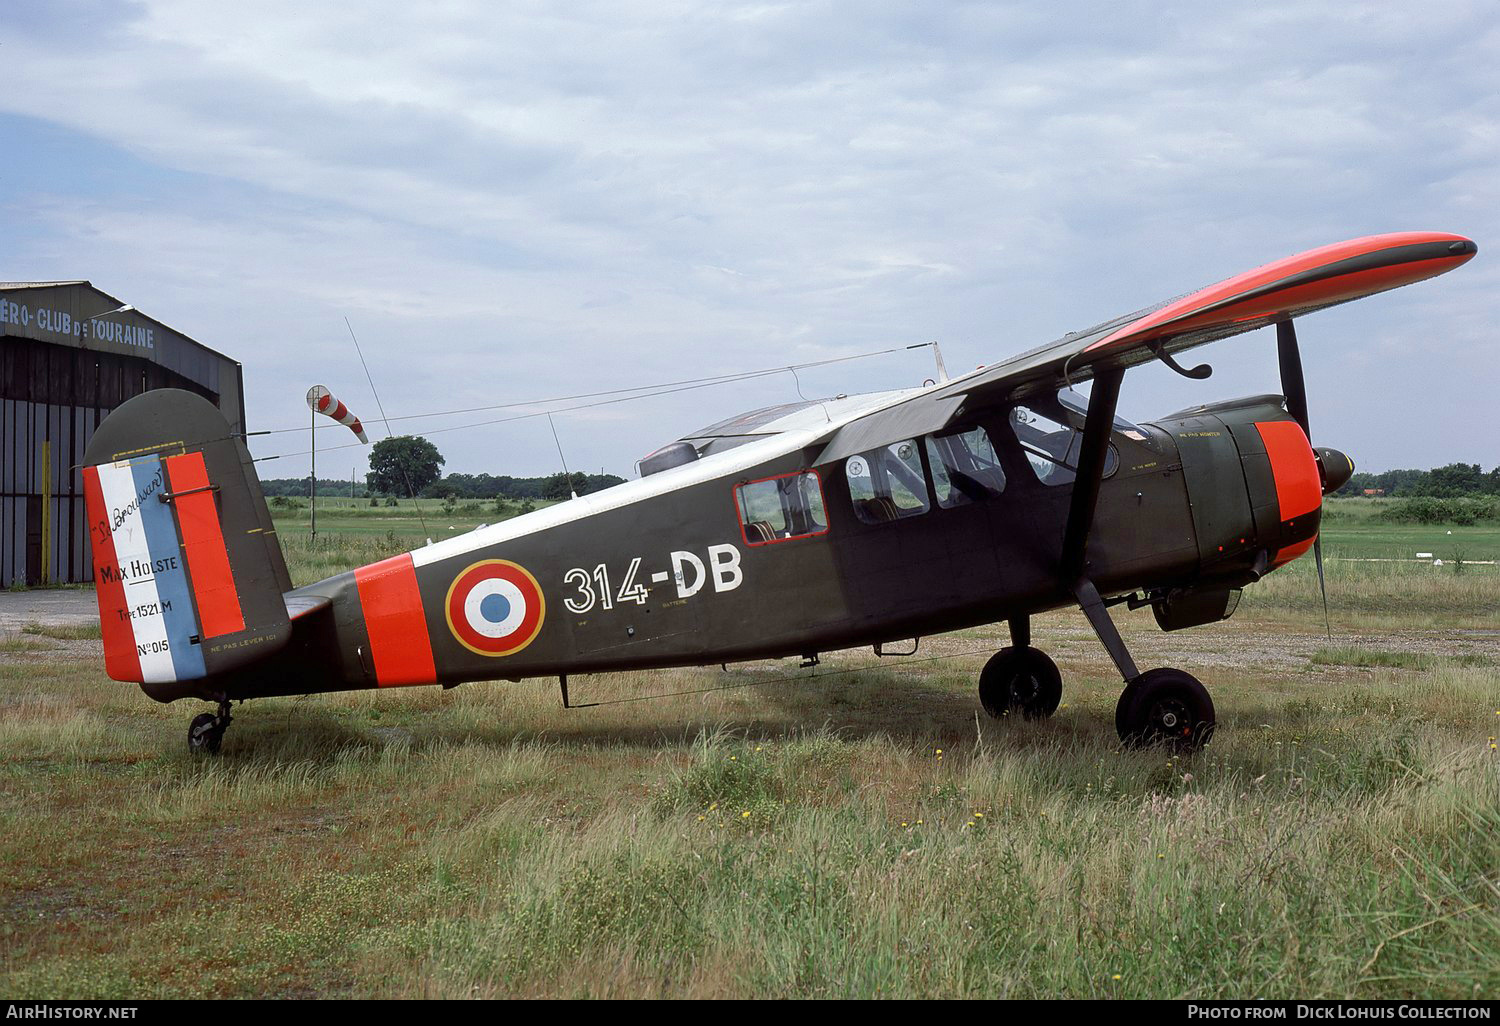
1426	509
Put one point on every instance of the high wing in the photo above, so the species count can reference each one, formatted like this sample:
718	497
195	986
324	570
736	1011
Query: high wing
1278	291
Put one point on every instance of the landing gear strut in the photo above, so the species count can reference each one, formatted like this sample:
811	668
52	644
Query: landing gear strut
1162	706
1159	707
206	732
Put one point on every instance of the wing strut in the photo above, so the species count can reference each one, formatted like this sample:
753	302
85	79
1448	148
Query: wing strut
1101	415
1103	400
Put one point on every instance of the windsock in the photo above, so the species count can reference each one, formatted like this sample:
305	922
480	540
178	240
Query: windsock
320	400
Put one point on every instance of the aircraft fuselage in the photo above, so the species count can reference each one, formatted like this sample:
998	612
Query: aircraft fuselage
679	577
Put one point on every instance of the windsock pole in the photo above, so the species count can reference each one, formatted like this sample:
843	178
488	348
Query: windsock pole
312	487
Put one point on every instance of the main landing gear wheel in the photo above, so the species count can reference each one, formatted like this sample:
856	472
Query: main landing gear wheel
1165	707
206	732
1020	679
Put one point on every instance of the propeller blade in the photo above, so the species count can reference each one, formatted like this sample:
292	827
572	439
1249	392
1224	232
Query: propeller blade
1293	386
1322	582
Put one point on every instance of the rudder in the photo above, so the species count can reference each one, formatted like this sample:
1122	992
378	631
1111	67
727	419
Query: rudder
188	570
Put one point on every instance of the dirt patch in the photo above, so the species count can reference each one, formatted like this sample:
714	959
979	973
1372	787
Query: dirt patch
1236	644
62	607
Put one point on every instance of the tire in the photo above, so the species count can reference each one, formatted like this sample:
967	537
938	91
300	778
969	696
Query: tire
1165	707
204	734
1021	679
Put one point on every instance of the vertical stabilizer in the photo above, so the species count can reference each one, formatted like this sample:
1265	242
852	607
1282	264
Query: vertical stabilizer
189	573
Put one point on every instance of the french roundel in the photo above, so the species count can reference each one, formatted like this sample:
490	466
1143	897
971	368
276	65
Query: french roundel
495	608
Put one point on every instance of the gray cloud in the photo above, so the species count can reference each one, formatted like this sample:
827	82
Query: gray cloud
530	202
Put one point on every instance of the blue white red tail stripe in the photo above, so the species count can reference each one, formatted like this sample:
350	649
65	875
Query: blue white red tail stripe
120	659
146	584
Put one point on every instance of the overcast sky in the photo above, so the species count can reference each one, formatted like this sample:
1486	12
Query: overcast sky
512	201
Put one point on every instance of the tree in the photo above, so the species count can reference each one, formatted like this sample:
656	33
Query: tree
403	465
560	486
1450	481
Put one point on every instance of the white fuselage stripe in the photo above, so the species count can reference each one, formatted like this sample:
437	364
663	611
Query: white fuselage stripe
819	421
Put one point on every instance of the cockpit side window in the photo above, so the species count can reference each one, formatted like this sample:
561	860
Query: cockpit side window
780	508
964	466
888	484
1051	435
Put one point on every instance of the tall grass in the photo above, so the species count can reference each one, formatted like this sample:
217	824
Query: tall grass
1388	593
312	559
863	833
864	836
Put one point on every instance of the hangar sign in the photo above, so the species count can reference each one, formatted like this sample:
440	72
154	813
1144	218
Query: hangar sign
45	321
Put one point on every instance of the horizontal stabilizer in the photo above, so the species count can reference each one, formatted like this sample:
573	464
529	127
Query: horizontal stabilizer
298	606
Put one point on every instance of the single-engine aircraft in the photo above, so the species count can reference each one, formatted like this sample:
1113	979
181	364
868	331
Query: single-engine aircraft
788	531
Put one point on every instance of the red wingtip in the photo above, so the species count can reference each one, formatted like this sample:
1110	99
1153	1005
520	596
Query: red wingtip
1307	281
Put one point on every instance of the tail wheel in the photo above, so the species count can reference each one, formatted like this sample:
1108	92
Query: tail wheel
205	734
1165	707
1020	679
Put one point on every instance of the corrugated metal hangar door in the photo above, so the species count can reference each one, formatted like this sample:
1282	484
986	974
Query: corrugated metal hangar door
61	372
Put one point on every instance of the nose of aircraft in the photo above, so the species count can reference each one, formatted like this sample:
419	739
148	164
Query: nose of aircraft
1335	468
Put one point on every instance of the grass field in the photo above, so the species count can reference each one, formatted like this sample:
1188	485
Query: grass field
353	533
1354	528
859	833
1375	578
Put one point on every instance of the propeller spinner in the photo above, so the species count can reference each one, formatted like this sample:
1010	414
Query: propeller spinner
1335	468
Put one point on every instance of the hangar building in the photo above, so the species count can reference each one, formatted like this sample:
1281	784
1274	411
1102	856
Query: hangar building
69	354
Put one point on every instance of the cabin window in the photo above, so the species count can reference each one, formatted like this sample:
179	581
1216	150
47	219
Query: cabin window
1052	446
777	509
964	466
887	484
